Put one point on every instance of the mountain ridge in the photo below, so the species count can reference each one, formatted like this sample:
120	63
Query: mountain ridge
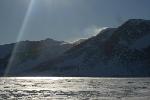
96	57
26	55
113	52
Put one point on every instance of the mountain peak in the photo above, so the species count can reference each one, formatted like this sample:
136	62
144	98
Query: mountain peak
49	39
131	30
137	22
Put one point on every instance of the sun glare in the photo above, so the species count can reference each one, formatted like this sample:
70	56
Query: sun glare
21	33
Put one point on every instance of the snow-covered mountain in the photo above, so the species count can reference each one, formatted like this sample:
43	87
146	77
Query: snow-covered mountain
122	51
25	55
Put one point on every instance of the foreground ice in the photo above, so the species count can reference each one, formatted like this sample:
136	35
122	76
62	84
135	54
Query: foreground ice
54	88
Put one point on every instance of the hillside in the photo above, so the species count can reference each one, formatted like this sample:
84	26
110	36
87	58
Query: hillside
29	54
122	51
119	52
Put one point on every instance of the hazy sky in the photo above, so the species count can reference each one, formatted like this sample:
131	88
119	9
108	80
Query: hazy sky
66	20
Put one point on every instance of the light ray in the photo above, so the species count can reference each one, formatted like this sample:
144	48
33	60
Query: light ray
21	33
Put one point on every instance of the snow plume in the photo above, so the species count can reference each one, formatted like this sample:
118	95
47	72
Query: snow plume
93	31
87	33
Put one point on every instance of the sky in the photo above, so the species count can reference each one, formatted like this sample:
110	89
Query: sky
65	20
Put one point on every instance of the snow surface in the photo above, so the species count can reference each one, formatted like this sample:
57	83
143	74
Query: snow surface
74	88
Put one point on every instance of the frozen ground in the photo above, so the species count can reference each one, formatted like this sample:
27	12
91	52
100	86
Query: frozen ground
58	88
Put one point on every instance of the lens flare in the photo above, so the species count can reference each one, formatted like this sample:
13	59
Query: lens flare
21	33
